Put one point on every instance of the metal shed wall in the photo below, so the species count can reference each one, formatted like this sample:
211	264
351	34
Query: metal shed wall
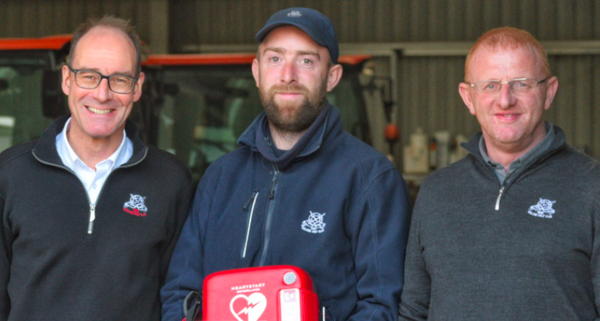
427	86
236	21
38	18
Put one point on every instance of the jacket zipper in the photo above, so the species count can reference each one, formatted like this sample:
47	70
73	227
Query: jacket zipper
253	200
543	156
498	199
92	218
270	209
93	206
275	177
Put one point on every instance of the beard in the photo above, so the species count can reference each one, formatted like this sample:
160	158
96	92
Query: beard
294	117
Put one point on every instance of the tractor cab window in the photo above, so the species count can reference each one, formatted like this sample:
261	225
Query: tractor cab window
21	112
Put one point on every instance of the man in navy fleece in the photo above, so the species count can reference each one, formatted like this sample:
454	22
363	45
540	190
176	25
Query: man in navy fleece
300	190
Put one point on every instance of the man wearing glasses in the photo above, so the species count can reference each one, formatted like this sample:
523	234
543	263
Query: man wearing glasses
90	214
511	231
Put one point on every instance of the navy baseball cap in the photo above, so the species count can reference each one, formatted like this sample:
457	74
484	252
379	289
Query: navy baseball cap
311	21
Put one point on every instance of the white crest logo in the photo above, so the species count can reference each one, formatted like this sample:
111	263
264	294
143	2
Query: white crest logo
542	209
253	306
294	14
314	223
135	206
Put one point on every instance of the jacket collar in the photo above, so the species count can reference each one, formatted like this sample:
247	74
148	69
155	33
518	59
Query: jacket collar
559	142
45	148
257	137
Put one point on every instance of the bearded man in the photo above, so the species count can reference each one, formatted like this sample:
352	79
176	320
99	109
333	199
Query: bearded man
300	190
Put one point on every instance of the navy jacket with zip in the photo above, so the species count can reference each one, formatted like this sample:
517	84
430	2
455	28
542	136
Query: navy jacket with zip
252	208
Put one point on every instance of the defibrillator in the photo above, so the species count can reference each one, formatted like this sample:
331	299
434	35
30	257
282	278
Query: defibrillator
269	293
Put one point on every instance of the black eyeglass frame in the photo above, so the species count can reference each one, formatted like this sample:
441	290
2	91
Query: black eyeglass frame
75	71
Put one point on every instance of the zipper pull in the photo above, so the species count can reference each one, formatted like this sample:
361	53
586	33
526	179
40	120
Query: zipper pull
249	200
254	197
92	218
498	199
272	195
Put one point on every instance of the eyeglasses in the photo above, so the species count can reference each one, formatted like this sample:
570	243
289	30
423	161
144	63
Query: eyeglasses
90	79
520	85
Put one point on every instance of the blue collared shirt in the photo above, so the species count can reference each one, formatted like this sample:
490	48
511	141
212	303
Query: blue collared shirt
92	179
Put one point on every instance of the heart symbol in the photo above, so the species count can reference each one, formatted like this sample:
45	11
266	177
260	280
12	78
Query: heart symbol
253	307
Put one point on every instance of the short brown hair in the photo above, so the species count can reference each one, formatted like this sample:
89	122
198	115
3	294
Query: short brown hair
510	38
113	23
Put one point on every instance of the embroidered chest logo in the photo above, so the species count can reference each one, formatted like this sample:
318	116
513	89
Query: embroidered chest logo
542	209
314	223
135	206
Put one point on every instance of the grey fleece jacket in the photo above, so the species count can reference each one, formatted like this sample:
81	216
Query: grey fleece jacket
526	250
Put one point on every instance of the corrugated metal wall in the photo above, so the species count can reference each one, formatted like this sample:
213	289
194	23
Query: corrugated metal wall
37	18
427	86
429	96
236	21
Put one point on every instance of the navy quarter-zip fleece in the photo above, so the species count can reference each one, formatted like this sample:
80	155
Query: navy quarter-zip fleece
252	208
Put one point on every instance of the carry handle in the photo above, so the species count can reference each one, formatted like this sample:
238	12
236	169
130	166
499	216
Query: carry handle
191	310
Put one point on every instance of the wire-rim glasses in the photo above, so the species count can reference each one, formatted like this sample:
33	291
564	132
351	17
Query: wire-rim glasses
520	85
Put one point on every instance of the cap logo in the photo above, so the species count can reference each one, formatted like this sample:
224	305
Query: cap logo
294	14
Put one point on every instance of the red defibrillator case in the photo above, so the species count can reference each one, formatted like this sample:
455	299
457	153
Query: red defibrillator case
269	293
